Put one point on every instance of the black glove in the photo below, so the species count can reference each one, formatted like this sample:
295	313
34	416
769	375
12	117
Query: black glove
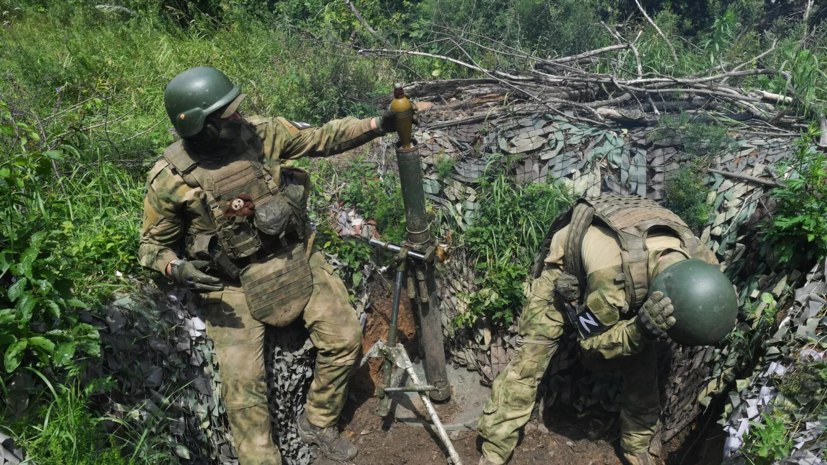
655	316
387	120
189	274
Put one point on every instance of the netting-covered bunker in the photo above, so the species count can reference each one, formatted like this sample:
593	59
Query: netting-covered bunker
634	155
156	345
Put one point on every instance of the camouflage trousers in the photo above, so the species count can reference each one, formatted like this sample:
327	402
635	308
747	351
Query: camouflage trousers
515	390
239	343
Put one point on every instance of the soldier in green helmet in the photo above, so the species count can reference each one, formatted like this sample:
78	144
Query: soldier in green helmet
226	217
626	274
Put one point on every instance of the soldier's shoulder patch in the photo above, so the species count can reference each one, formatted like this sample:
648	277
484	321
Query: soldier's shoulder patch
293	127
301	125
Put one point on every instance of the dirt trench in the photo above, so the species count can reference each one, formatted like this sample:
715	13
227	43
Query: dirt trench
567	437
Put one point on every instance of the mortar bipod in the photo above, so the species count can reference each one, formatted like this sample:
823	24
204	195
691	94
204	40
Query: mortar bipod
397	363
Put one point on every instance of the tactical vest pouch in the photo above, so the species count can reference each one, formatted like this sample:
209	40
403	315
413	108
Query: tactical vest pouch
239	239
277	290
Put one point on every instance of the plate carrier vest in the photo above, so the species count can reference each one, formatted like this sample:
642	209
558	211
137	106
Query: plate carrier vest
630	218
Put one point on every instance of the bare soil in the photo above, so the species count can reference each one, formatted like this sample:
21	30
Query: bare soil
567	441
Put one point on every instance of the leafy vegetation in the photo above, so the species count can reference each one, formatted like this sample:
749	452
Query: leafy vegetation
686	194
69	434
513	221
686	188
767	442
797	232
377	198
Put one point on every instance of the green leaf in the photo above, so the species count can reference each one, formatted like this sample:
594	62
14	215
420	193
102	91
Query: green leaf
357	278
6	316
25	306
17	289
4	263
54	155
53	308
182	451
14	355
29	255
77	303
64	353
37	239
41	343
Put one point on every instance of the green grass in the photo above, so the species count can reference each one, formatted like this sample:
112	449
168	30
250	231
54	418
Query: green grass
60	430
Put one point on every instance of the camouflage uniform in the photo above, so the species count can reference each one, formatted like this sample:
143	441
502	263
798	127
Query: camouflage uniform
619	346
173	209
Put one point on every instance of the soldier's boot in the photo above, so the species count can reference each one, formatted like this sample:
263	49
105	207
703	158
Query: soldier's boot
638	458
332	444
485	461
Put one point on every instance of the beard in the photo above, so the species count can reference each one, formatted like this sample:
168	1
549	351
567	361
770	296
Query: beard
215	142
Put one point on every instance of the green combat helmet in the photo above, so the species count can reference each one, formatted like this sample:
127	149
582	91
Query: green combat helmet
194	94
705	302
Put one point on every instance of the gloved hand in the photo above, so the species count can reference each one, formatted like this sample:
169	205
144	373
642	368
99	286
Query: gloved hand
189	274
387	120
568	287
655	316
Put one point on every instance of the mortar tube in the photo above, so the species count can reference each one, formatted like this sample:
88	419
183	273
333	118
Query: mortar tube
427	301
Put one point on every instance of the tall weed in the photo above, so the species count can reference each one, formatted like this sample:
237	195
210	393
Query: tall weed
512	223
797	231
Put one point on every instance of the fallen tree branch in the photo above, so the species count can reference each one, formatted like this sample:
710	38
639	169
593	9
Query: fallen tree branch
745	177
589	54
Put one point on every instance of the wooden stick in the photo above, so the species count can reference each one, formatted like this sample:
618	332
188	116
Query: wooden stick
671	48
590	54
365	23
745	177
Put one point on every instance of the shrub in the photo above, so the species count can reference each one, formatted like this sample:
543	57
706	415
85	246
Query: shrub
512	223
767	442
686	194
797	231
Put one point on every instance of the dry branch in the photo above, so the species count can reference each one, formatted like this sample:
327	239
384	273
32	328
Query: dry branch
671	48
563	82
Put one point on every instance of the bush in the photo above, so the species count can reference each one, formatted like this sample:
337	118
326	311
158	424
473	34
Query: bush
686	194
39	324
512	223
767	442
797	231
377	198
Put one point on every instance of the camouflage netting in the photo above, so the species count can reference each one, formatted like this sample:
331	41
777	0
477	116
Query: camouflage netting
469	126
157	349
793	348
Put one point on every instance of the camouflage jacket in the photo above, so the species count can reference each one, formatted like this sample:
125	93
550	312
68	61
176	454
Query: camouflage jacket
615	333
173	209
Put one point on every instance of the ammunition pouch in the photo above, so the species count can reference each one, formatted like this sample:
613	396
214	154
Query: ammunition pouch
238	238
278	289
